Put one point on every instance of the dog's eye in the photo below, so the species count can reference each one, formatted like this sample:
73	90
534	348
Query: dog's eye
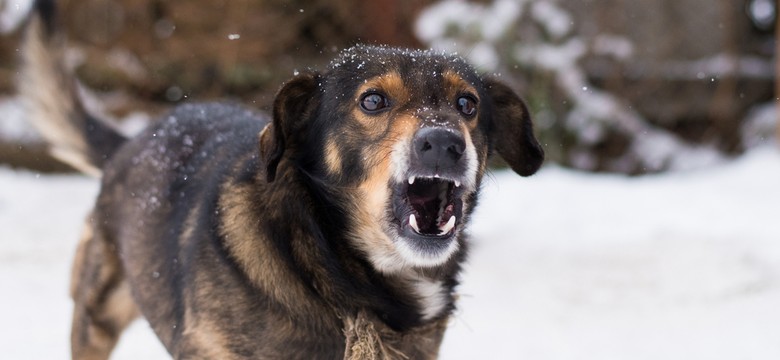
373	102
467	105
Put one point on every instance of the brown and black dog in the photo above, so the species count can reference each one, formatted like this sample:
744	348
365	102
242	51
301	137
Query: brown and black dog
333	229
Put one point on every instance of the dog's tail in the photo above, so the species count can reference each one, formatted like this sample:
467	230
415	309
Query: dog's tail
75	136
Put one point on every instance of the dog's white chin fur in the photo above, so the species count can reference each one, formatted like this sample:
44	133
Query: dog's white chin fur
402	256
425	259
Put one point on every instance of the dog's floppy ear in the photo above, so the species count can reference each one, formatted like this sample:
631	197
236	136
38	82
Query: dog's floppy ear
512	131
292	107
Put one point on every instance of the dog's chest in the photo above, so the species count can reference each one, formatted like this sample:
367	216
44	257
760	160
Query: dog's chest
431	295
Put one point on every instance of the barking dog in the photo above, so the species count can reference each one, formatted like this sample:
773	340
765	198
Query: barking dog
335	228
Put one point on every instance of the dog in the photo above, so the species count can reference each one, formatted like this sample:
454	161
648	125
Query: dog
334	228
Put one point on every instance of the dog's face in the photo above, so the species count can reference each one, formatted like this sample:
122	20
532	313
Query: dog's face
406	136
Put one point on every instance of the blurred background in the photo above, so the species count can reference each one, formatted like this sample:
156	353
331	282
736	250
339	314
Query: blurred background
615	85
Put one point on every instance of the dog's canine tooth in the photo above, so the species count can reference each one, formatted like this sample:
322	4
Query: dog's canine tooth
448	226
413	223
411	180
457	183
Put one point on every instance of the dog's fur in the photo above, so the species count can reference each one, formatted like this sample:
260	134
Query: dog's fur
237	235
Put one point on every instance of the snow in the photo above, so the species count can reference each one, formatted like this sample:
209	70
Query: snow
616	46
564	265
13	13
760	124
676	266
762	12
40	221
14	127
717	66
490	22
556	21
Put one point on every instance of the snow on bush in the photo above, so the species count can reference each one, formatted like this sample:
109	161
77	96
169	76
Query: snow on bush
536	36
13	13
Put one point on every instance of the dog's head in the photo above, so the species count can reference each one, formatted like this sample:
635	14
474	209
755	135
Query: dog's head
404	136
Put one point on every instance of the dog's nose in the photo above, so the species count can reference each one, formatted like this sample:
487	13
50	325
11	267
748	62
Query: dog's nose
439	148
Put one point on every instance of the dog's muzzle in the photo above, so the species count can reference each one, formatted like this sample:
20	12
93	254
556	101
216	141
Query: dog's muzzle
429	205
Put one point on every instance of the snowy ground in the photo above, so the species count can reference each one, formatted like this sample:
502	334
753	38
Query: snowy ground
565	265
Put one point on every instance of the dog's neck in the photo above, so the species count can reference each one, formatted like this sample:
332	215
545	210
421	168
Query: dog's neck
333	269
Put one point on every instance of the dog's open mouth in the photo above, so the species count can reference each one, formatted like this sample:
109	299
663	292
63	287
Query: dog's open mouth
429	207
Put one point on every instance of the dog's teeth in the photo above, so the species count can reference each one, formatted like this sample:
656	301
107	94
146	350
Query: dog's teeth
413	223
411	180
448	226
457	183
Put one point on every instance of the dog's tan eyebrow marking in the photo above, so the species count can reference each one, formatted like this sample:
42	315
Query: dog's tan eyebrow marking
455	85
389	83
332	156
